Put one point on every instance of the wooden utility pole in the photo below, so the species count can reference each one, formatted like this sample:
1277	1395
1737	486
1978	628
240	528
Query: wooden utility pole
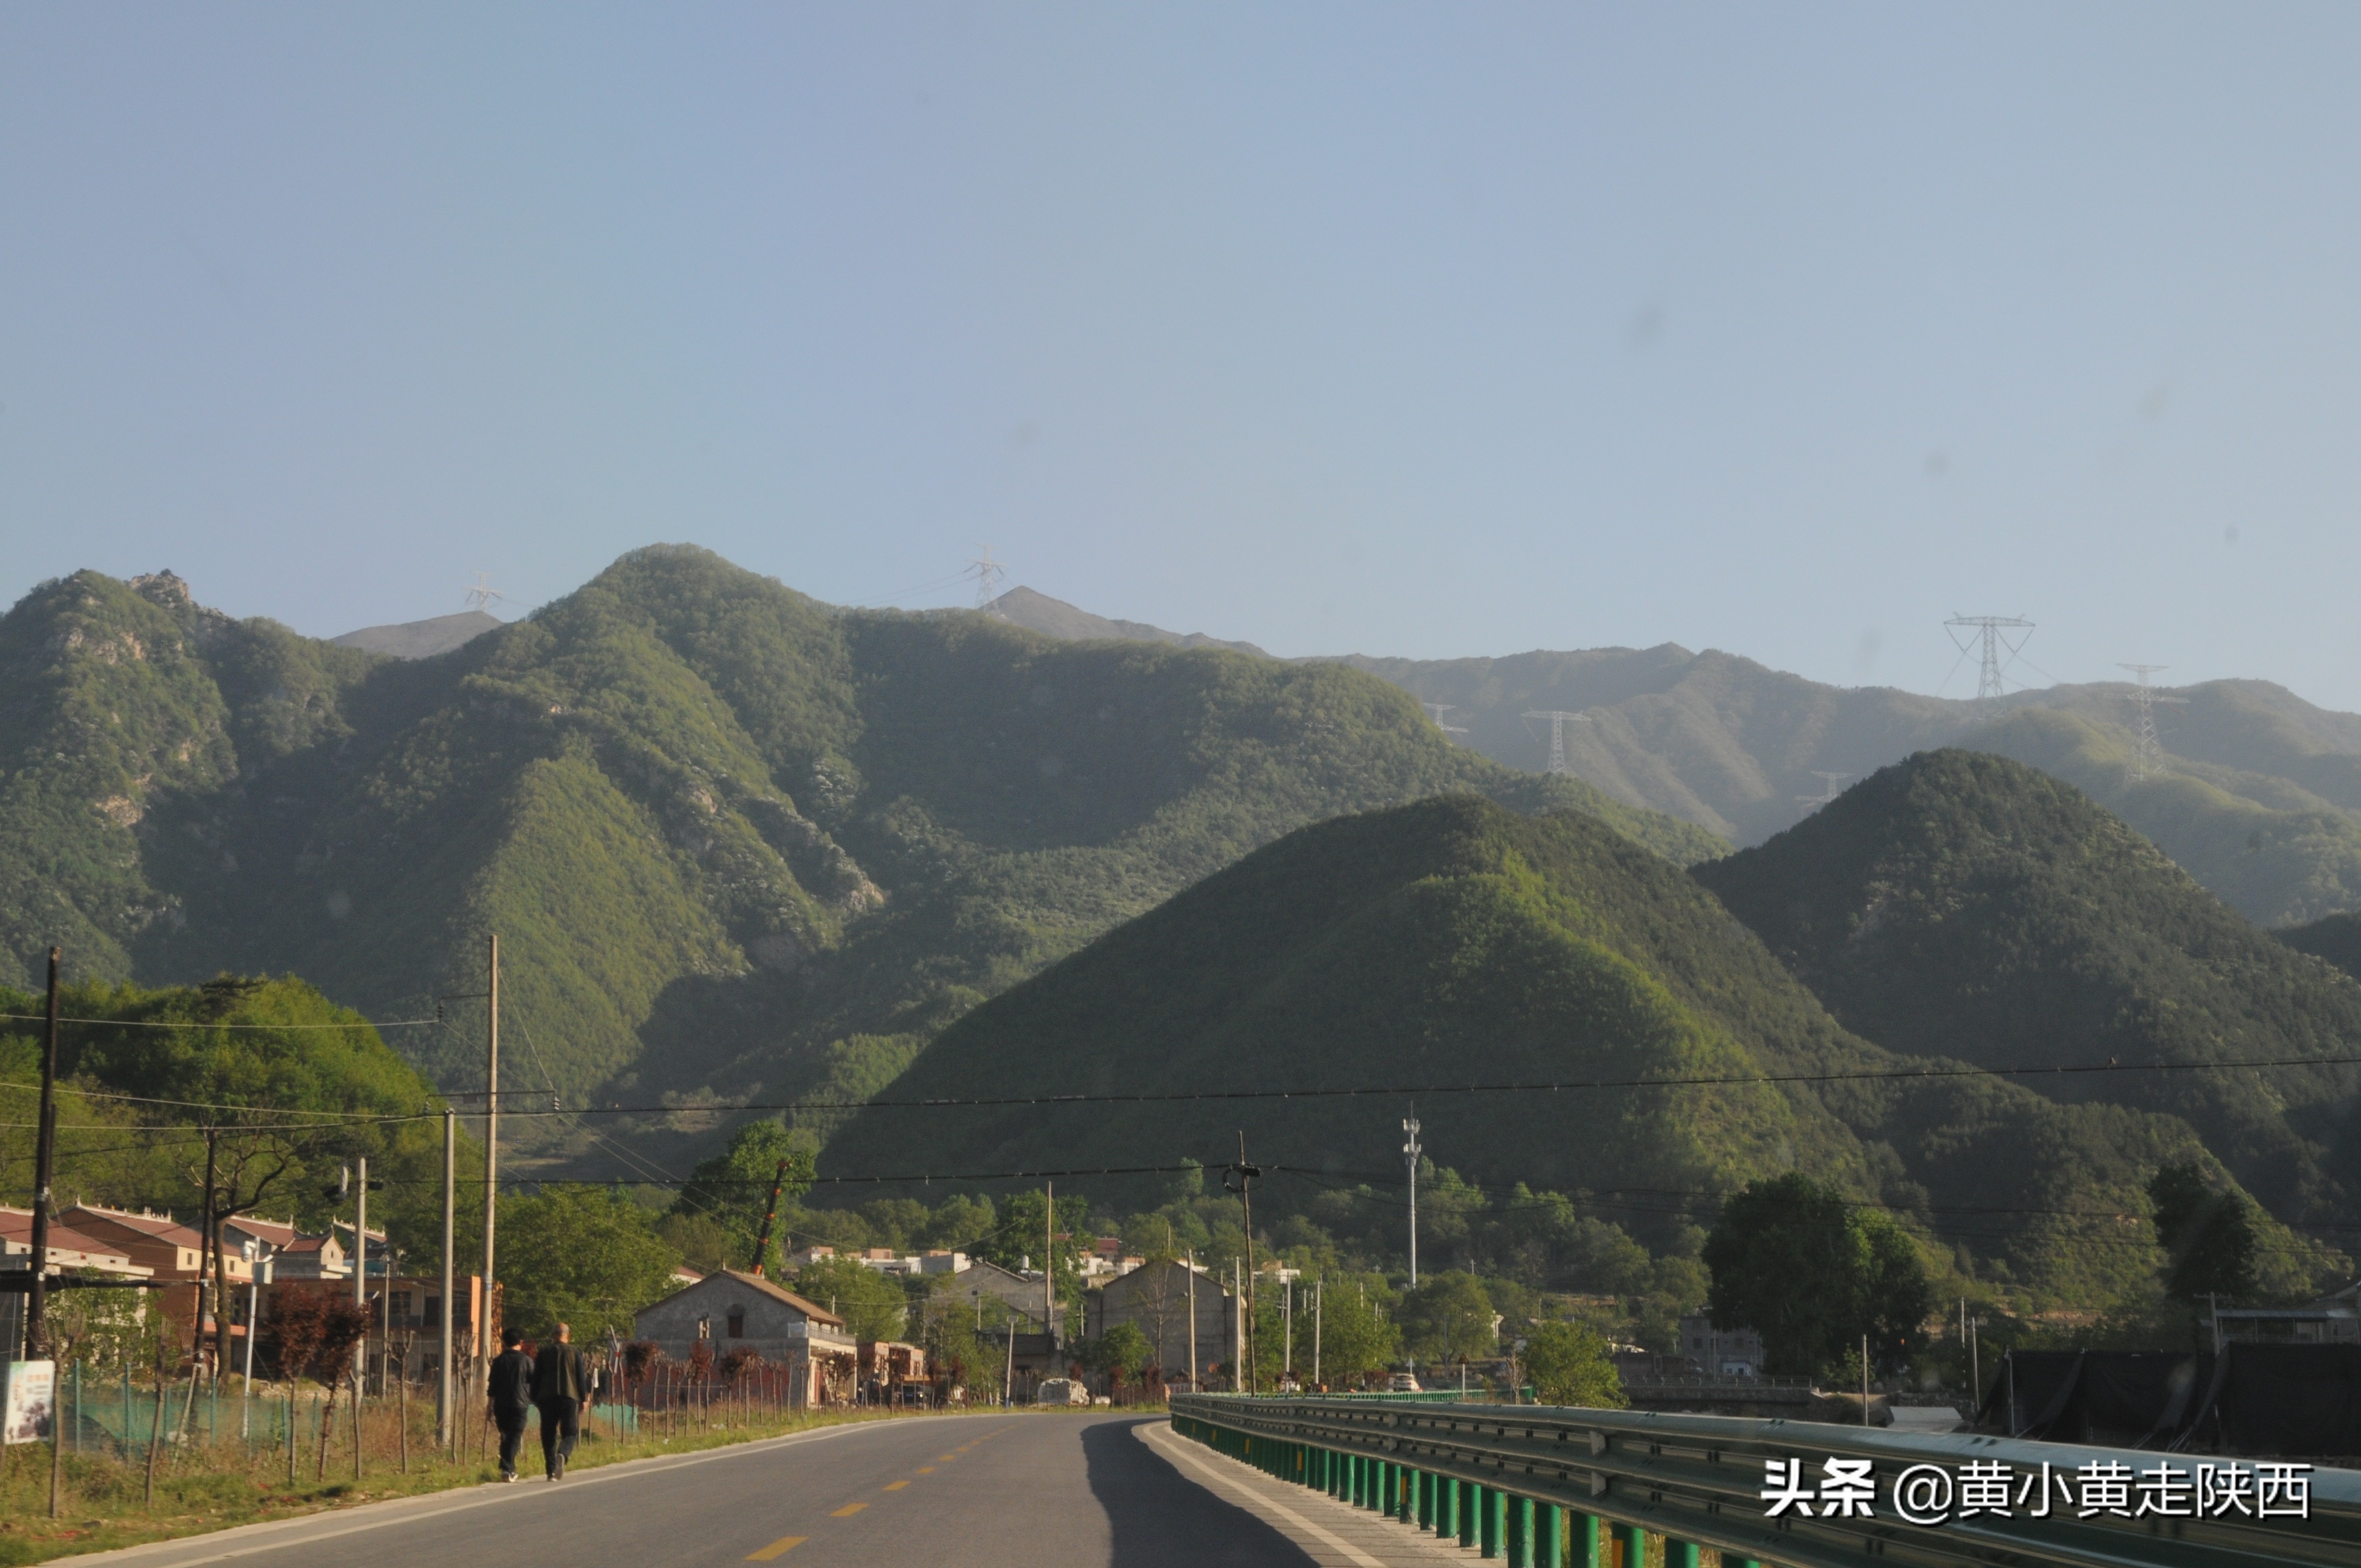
443	1423
483	1329
1049	1263
44	1169
360	1296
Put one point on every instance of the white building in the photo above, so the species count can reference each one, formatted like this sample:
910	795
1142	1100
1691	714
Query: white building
730	1311
1721	1352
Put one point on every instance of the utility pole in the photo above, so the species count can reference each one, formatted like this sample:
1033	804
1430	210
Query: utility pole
1410	1151
2147	757
1318	1298
44	1171
1557	723
360	1275
1246	1176
483	1329
763	1243
1193	1362
1050	1261
209	1289
1287	1349
1991	633
444	1433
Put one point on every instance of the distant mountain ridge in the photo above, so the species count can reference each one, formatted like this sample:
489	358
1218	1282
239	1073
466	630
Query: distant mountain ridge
1038	612
421	638
2256	792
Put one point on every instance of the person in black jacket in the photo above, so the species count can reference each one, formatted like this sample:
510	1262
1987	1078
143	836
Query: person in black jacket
510	1384
561	1382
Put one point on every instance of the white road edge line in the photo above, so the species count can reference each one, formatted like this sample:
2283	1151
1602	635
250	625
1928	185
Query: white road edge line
290	1532
1174	1448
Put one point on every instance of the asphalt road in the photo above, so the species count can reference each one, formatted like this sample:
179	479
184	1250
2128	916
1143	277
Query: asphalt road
1038	1489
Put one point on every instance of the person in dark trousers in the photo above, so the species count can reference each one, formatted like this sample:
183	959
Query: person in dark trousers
561	1382
510	1386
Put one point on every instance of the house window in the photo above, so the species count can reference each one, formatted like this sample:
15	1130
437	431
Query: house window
737	1322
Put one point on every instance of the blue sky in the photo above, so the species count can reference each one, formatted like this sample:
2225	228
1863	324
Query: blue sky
1423	330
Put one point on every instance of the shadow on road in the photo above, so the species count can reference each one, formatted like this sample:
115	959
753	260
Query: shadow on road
1157	1516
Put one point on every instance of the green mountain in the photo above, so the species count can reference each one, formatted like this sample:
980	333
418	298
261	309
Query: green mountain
2256	792
1968	905
733	839
2334	938
1450	943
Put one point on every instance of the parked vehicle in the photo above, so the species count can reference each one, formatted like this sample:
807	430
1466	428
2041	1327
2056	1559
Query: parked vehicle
1062	1391
1403	1383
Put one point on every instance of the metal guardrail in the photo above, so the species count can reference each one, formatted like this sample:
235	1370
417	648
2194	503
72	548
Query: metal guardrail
1699	1481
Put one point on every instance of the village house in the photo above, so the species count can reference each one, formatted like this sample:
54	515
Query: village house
1154	1298
730	1311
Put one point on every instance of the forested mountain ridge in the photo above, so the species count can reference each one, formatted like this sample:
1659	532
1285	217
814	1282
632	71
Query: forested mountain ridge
732	839
2257	793
1450	942
1964	905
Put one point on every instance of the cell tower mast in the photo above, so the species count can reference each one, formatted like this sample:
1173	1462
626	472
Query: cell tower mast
2147	757
1436	710
1557	723
1993	631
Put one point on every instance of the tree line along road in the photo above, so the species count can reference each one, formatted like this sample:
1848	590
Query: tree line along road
1048	1490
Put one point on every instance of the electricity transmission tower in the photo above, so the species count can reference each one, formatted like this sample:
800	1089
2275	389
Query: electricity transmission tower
2147	757
986	574
1436	710
1993	631
1410	1151
483	596
1829	783
1557	723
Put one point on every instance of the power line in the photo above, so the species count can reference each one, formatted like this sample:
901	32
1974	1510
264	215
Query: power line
193	1024
1553	1086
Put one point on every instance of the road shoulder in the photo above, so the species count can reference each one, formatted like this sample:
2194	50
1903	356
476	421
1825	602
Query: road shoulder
1329	1533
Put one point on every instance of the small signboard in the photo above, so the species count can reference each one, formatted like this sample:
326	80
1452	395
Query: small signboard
32	1402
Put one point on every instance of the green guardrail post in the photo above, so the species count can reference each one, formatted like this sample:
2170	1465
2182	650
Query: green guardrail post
1333	1478
1634	1540
1549	1536
1446	1506
1424	1505
1389	1487
1680	1554
1496	1521
1521	1532
1471	1497
1406	1509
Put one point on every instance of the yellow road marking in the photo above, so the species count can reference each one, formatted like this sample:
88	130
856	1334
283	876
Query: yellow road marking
947	1458
925	1469
847	1511
778	1548
896	1485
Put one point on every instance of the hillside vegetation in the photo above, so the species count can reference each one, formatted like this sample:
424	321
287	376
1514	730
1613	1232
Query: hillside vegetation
1967	906
1450	943
734	840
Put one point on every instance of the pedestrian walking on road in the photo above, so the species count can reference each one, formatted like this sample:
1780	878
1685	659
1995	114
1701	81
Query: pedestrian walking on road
510	1386
561	1381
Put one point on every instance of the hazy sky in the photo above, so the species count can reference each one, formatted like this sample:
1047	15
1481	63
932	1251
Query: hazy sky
1438	330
